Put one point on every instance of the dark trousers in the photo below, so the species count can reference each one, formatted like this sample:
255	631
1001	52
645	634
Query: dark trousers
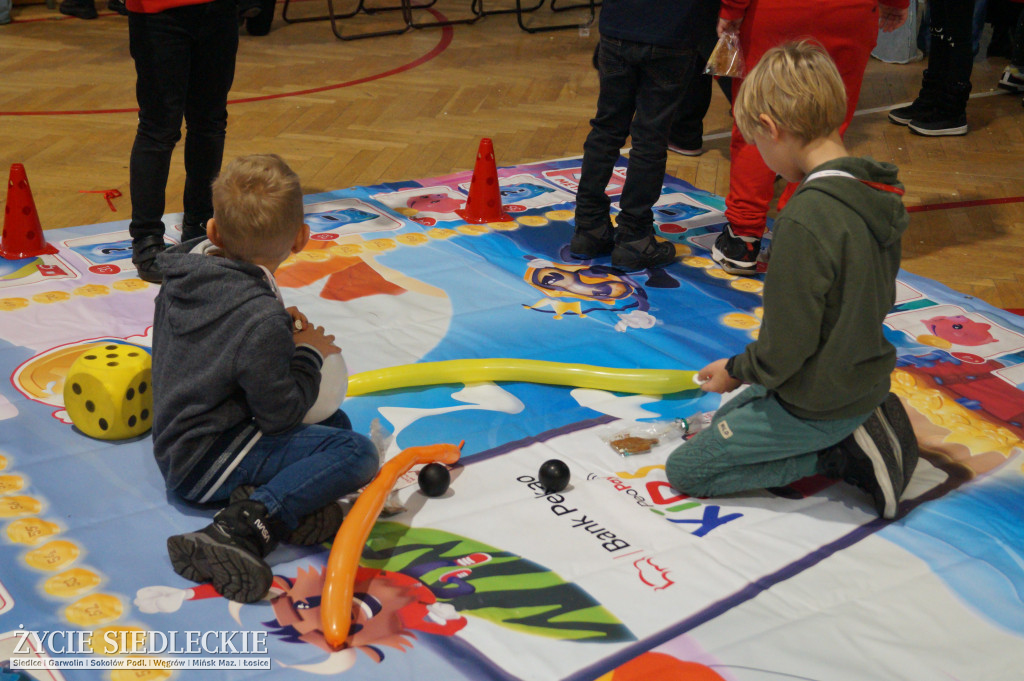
185	63
951	55
641	86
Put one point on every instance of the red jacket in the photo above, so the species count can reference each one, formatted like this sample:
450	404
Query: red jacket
154	6
735	9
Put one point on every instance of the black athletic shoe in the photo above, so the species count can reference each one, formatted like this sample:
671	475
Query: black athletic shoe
1012	79
83	9
144	252
902	431
228	553
644	253
871	459
919	109
939	124
314	529
117	6
736	254
592	242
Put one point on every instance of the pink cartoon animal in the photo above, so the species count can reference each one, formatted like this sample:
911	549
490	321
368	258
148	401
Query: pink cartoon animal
434	203
959	330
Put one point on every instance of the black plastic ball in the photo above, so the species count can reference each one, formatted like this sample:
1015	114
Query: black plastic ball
554	475
434	479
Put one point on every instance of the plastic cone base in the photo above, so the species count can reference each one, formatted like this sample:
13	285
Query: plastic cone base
22	235
484	202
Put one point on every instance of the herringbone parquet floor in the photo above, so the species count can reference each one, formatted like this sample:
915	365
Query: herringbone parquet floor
415	105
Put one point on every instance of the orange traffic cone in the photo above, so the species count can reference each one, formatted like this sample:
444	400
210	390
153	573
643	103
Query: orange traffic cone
484	202
23	235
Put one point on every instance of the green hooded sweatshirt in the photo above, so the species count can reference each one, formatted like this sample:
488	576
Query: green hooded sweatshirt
830	284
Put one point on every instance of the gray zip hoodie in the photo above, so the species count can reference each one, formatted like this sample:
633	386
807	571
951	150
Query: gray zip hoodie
830	283
225	367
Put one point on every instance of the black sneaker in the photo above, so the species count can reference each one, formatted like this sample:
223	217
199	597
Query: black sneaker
1012	79
117	6
736	254
902	432
144	252
314	529
192	231
83	9
869	459
591	242
905	114
260	24
939	124
643	253
228	553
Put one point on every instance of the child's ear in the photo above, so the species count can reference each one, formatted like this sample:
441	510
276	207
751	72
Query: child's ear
301	238
771	128
213	234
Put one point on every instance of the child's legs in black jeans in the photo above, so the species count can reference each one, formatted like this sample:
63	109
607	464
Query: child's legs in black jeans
641	86
305	468
753	443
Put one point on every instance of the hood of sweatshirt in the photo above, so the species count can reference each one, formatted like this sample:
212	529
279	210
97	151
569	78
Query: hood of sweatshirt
874	192
201	288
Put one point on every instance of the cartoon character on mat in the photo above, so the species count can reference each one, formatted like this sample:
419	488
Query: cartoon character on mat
567	288
435	203
110	251
959	330
416	581
523	191
325	222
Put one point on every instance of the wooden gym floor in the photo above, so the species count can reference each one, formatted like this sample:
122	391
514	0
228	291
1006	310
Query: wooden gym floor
415	105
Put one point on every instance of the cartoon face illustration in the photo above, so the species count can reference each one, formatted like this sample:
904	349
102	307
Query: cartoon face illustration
435	203
587	283
105	252
324	222
677	211
523	191
959	330
388	607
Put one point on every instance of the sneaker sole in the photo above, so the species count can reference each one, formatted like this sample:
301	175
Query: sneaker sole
902	431
1010	86
686	152
730	266
236	574
944	132
899	120
866	441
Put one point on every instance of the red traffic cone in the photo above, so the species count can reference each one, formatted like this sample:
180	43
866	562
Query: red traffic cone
22	235
484	202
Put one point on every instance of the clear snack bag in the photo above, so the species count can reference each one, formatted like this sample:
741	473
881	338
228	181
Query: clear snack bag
640	438
727	58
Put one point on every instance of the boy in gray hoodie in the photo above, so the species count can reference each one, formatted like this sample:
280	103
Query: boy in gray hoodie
819	371
234	374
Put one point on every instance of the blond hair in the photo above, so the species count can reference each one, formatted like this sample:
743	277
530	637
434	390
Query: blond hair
257	205
798	86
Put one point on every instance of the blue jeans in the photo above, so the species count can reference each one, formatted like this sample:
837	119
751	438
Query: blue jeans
185	64
305	468
753	443
641	87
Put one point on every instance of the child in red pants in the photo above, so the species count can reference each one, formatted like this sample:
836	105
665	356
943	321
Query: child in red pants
848	30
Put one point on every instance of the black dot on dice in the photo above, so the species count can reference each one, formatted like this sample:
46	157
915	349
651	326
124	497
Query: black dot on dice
553	475
130	394
103	424
131	421
77	389
142	387
144	415
110	347
89	406
434	479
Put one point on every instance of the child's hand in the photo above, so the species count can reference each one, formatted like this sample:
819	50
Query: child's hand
715	379
299	321
316	337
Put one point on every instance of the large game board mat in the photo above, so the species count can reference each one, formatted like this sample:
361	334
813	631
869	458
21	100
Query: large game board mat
619	576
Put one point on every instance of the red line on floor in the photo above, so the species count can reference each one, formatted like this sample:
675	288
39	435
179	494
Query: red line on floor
964	204
447	32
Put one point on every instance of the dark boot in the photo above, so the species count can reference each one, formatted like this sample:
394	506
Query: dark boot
638	249
144	252
314	529
592	241
926	103
229	552
949	117
192	229
260	24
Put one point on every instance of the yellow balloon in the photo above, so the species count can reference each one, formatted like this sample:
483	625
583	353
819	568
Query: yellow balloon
638	381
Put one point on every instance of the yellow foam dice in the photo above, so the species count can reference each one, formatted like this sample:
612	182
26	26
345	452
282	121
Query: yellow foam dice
108	392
